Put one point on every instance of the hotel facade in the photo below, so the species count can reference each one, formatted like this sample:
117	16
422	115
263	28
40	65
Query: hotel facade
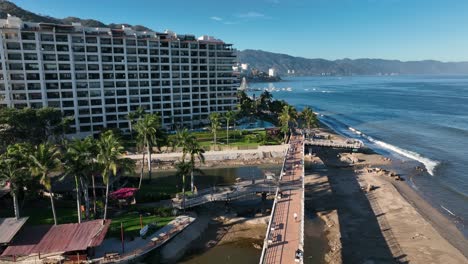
99	75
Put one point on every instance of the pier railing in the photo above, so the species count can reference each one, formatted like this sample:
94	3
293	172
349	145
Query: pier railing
334	144
273	208
210	195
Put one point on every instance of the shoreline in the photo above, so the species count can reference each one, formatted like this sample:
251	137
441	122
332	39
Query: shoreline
443	225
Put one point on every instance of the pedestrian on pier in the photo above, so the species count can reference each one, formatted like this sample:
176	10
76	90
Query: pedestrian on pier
295	217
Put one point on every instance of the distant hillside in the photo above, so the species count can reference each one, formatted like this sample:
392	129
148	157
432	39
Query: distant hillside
263	60
7	7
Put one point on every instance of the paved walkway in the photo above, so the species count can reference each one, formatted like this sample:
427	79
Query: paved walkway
285	236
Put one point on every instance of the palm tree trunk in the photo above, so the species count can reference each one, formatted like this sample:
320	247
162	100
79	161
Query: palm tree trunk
107	198
191	181
94	196
84	187
78	199
215	138
227	132
183	192
142	169
15	205
131	129
149	161
53	206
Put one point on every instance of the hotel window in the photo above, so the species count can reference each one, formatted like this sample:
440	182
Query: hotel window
93	58
64	67
17	76
80	67
29	46
91	40
62	47
61	38
13	46
28	36
91	49
48	47
96	102
63	57
120	67
106	41
47	37
93	76
67	95
51	76
14	56
50	66
34	86
93	67
52	86
16	66
66	85
130	42
49	57
68	104
78	49
77	39
117	41
65	76
33	76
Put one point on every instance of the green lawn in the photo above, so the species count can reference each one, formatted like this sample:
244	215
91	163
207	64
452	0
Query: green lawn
237	138
131	223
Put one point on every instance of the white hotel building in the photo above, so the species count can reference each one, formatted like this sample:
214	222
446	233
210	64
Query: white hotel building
99	75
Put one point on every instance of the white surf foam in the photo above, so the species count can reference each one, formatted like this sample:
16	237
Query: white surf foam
428	163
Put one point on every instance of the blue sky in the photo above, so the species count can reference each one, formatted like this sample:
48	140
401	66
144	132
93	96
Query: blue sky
330	29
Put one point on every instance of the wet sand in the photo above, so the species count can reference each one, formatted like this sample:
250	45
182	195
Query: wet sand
390	223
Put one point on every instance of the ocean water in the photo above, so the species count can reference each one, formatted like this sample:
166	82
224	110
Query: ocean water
411	118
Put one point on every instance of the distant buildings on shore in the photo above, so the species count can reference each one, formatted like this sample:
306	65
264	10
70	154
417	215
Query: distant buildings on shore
243	70
99	75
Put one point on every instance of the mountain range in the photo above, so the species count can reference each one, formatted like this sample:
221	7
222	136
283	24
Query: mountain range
264	60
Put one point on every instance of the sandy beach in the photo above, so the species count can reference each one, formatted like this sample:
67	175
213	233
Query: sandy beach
371	217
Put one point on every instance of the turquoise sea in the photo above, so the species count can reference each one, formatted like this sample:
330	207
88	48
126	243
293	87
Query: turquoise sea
416	118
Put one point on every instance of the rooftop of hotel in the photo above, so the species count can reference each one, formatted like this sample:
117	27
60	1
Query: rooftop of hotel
12	22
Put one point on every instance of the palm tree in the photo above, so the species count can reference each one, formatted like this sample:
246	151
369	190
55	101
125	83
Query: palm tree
147	128
132	116
190	146
195	152
13	171
110	152
230	116
78	161
215	124
264	100
183	170
287	119
44	160
309	117
180	138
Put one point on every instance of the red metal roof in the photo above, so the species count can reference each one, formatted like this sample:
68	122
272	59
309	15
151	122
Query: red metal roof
123	193
59	238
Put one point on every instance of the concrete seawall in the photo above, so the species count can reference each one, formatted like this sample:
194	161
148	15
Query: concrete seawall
259	155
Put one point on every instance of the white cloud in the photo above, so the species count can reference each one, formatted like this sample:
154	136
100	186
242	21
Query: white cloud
216	18
252	14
